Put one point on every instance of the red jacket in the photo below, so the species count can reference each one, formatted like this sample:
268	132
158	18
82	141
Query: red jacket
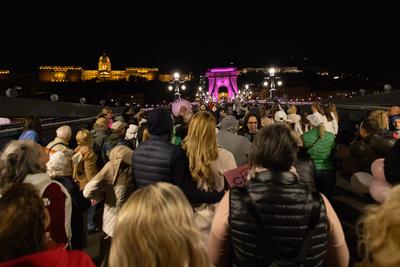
57	257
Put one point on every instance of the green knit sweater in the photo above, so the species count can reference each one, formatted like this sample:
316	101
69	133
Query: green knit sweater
320	150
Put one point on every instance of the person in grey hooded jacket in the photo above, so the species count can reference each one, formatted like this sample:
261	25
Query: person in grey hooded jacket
228	139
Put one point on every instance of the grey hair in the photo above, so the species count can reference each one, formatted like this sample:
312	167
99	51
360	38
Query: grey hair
64	132
60	164
20	158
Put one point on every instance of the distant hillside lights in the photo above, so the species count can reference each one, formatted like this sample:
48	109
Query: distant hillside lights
170	77
277	70
103	73
4	74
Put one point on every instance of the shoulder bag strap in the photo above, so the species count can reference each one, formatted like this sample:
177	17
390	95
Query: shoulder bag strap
308	148
312	223
49	150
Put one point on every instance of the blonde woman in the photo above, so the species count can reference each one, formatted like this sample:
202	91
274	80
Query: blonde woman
381	117
155	227
84	159
379	240
85	168
294	118
207	164
332	108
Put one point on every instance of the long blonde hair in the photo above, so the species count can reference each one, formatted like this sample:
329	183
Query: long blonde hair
146	135
332	108
156	227
381	117
380	233
201	146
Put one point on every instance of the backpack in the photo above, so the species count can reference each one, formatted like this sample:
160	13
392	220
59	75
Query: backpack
300	260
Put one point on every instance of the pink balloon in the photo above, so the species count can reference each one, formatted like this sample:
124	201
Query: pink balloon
377	170
379	188
181	105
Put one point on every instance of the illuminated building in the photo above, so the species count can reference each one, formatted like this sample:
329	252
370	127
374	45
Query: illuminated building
222	78
103	73
60	74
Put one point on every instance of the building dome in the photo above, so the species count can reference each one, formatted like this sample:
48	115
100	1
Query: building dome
104	63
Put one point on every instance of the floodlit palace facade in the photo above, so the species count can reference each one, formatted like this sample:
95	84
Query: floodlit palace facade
103	73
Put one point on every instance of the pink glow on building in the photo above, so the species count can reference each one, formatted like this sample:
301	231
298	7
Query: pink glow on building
222	77
221	69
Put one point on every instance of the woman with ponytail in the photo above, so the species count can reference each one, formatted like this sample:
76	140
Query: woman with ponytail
320	144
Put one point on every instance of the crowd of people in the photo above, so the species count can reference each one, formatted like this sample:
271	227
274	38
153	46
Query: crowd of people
155	185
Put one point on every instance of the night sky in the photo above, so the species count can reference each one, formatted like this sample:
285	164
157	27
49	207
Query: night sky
194	35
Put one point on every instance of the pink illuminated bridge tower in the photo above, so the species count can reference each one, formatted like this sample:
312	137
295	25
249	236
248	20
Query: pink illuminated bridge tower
222	77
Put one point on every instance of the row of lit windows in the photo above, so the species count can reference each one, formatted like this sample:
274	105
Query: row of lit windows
59	68
142	70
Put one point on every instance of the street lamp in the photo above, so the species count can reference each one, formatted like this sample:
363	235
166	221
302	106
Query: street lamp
244	94
177	85
201	95
272	80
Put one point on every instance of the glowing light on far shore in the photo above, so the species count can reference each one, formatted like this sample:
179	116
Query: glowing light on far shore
272	71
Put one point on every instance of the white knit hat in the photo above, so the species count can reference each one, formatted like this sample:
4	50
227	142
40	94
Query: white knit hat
131	131
315	119
60	164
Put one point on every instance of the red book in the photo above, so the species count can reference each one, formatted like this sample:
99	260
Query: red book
238	176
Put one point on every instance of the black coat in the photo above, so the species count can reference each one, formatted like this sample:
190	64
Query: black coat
157	160
392	165
365	151
79	205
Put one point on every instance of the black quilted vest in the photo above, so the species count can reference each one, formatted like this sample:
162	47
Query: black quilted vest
284	205
152	161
